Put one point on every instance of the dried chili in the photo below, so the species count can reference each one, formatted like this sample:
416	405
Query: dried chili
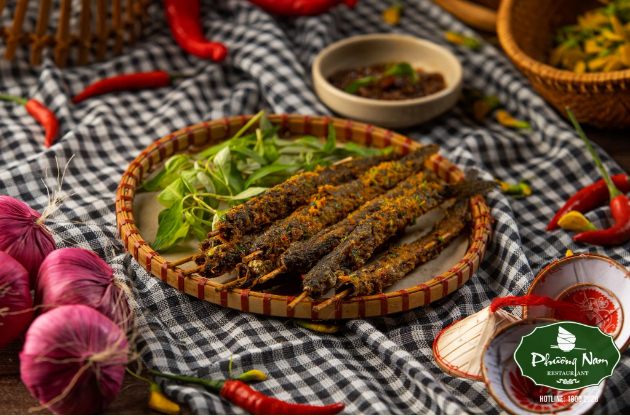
331	204
590	197
184	20
253	401
127	82
619	204
399	261
282	199
41	113
300	8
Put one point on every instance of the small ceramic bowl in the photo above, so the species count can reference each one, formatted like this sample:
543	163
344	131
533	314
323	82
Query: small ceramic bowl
517	394
380	48
597	284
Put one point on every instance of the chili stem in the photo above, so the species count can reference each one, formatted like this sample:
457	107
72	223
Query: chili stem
248	125
214	385
137	376
612	189
5	97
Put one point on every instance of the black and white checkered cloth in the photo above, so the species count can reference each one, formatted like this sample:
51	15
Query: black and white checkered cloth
379	365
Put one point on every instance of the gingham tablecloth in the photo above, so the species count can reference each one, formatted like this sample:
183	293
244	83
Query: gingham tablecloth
379	365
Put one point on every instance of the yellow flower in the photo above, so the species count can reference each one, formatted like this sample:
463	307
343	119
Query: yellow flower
580	67
507	120
392	14
160	403
618	27
459	39
575	221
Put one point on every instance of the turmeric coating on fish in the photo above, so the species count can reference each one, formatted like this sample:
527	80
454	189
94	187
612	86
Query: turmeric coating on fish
302	256
399	261
330	205
392	216
284	198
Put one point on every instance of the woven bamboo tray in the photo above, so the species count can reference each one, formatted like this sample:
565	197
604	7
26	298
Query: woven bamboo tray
200	136
525	30
94	29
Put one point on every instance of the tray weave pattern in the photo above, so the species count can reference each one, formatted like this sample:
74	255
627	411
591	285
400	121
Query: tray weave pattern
102	25
525	30
200	136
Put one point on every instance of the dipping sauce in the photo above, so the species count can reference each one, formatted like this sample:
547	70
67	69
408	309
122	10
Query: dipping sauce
377	86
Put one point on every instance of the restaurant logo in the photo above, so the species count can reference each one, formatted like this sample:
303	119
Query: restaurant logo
567	355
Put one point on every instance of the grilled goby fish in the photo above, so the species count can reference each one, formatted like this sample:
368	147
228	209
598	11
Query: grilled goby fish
401	260
282	199
393	216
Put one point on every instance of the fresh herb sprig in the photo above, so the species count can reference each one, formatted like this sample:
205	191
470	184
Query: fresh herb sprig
232	172
401	69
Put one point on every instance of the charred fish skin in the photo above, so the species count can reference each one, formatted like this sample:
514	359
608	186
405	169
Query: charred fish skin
401	260
284	198
302	256
354	251
333	203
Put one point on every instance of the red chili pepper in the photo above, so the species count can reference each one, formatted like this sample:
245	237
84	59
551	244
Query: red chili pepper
257	403
41	113
126	82
590	197
183	19
619	204
295	8
253	401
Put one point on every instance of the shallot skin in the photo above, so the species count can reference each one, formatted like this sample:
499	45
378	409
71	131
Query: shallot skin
76	276
74	344
22	237
15	296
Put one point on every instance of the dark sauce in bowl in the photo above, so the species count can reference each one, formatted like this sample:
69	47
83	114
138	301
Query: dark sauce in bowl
390	87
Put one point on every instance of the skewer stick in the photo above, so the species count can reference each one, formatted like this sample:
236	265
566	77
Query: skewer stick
184	260
271	275
213	233
251	256
230	285
197	269
297	300
329	301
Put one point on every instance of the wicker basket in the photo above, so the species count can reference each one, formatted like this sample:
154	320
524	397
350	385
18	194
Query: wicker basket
525	30
87	26
203	135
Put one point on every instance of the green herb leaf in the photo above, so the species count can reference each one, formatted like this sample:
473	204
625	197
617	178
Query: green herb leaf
154	183
402	69
309	141
361	82
235	179
223	161
179	236
271	153
248	193
331	140
250	153
262	172
217	217
198	231
171	222
173	193
206	181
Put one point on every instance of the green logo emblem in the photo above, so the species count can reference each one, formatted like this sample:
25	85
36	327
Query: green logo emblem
567	355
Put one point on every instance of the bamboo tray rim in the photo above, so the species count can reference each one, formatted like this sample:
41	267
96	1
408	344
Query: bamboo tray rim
199	136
